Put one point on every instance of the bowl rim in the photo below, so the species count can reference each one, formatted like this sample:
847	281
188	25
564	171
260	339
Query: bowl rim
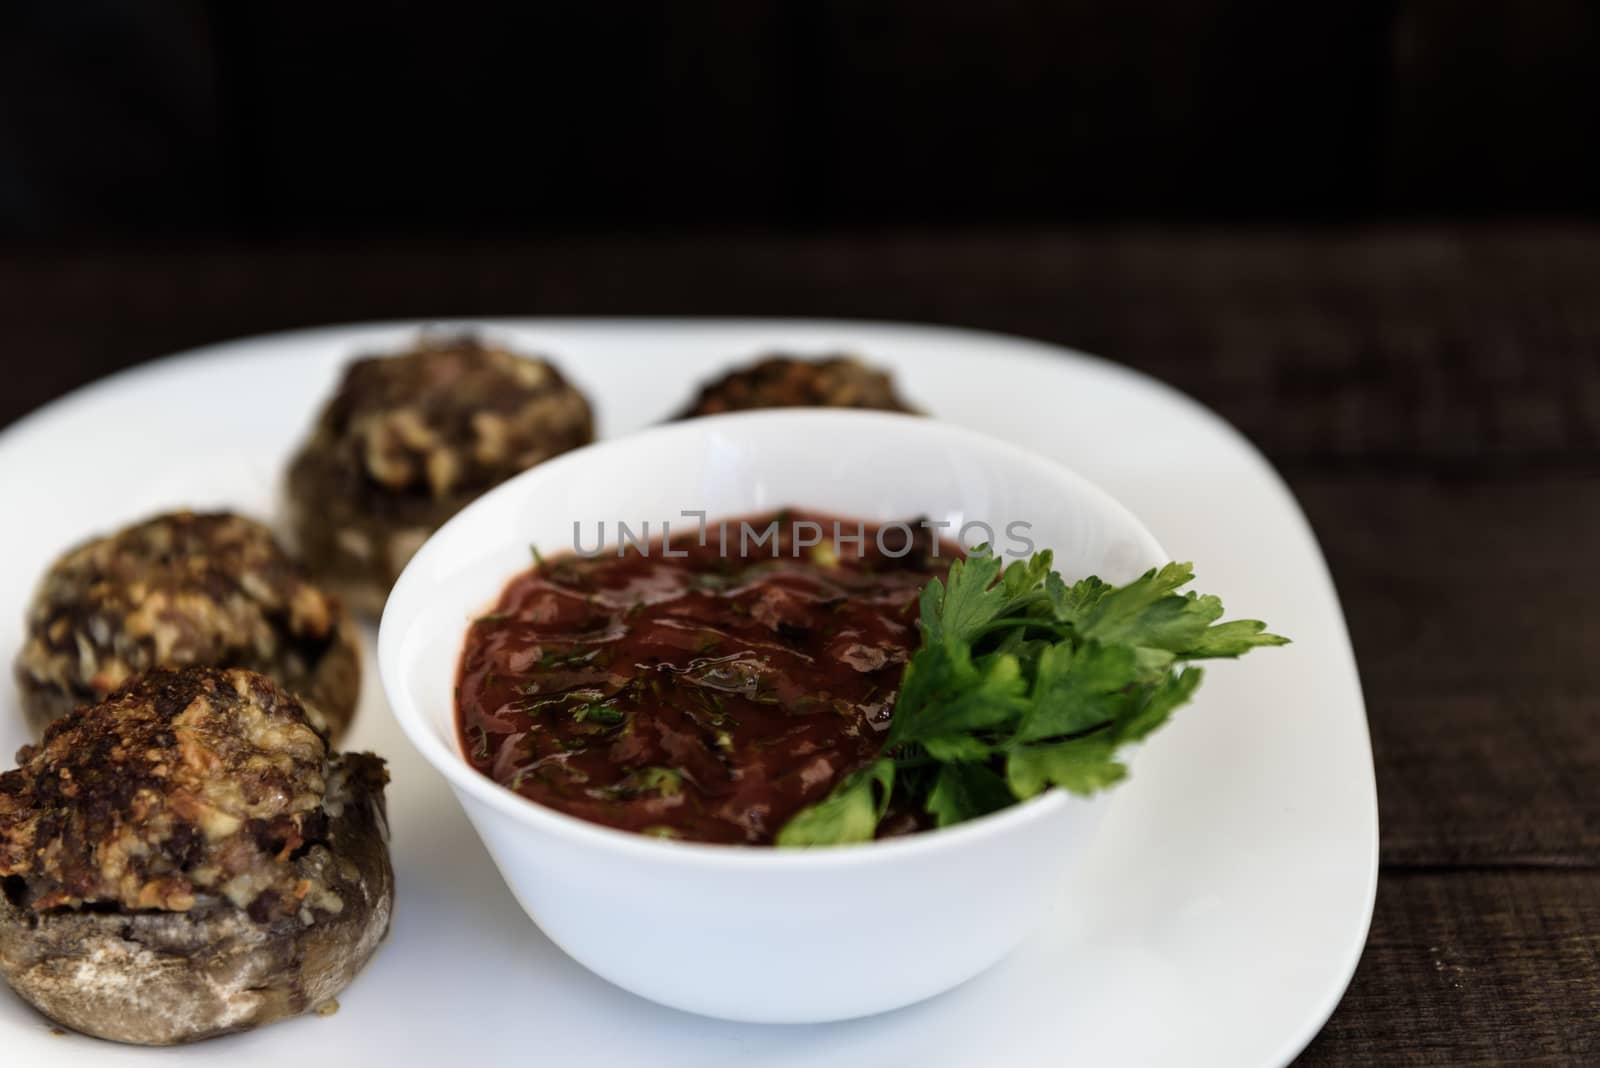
465	779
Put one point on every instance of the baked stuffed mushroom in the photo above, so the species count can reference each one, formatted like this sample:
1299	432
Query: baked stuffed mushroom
188	859
409	440
782	381
184	589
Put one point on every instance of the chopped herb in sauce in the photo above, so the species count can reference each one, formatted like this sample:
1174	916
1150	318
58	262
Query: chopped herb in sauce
705	697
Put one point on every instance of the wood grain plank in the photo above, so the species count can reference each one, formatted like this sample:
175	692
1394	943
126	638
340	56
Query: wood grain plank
1373	368
1435	350
1433	397
1475	612
1474	968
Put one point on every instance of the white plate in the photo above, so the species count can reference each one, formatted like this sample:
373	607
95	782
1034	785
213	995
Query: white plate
1222	911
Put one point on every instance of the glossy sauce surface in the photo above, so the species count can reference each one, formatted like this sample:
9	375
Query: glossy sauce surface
708	696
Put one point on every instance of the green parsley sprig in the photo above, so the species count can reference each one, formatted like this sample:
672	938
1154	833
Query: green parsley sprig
1023	682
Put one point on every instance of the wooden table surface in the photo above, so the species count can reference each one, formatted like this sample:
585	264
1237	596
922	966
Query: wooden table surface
1432	397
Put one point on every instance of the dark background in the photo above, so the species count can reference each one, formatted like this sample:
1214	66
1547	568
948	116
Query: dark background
265	119
1364	232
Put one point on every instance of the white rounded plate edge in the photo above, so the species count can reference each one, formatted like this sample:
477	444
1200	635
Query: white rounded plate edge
1226	904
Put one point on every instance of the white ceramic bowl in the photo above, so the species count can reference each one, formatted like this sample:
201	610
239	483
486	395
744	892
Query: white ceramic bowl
757	934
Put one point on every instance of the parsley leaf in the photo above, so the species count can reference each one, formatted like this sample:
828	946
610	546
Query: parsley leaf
960	607
965	792
849	814
944	692
1231	639
1024	682
1081	766
1149	614
1078	689
958	749
1157	703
